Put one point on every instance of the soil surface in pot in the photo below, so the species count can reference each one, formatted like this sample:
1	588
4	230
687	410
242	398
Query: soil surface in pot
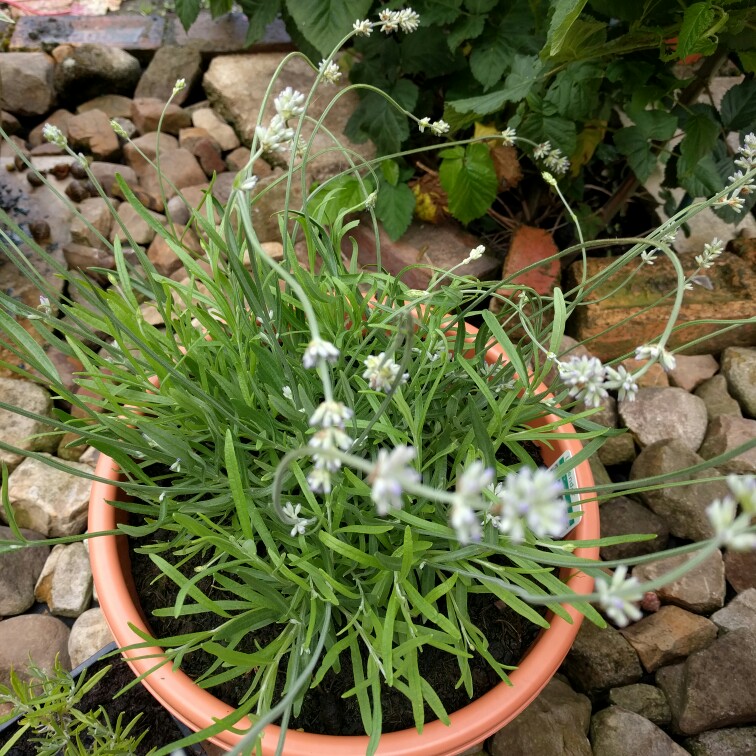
160	726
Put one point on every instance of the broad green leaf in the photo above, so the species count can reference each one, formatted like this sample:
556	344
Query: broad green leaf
739	106
636	148
424	45
565	14
653	124
697	33
324	23
701	178
468	27
260	13
701	134
439	12
490	58
187	11
390	171
574	91
480	6
469	182
748	60
561	132
394	208
583	39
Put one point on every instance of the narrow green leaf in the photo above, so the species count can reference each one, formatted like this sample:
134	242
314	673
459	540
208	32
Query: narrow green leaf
241	499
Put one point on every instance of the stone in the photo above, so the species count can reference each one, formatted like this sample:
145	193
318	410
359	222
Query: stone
164	258
147	111
683	508
554	724
618	450
19	431
737	741
717	399
27	83
224	135
48	500
232	86
654	377
137	152
726	433
601	659
658	414
618	732
83	258
209	157
713	687
178	169
133	225
39	636
739	369
91	132
91	226
605	322
622	516
225	34
89	634
178	211
700	590
10	124
740	569
169	64
105	173
740	612
238	159
65	584
86	71
113	105
190	137
669	635
692	370
59	118
19	571
646	700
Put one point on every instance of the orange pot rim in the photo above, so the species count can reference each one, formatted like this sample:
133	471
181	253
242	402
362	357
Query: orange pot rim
198	708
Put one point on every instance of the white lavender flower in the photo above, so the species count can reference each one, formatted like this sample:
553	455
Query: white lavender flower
622	381
743	488
319	480
299	524
423	124
542	150
289	103
388	21
179	85
619	596
329	70
408	20
557	162
463	517
176	466
733	201
54	135
275	137
391	474
330	414
381	372
327	441
747	188
439	127
118	129
648	256
747	159
44	305
508	137
249	184
534	499
362	28
584	376
319	350
711	251
733	530
654	352
371	199
475	254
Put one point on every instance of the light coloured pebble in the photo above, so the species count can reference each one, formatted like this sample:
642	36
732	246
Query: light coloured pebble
18	430
65	584
89	634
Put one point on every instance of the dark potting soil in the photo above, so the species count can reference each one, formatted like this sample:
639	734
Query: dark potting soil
324	711
160	726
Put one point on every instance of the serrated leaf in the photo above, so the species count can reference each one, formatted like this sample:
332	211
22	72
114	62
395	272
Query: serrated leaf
259	13
701	134
187	12
631	142
574	91
699	179
561	132
584	36
469	182
695	32
390	171
565	14
748	60
325	22
394	208
739	106
466	28
480	6
439	12
653	124
490	58
422	46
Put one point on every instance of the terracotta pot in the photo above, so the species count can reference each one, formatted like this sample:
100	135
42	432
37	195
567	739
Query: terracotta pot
198	708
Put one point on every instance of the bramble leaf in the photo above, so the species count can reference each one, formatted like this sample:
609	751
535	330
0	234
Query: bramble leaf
325	22
466	28
469	181
187	11
566	12
701	134
260	13
439	12
394	208
739	106
698	30
631	142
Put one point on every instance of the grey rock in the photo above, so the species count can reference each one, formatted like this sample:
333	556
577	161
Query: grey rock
740	612
65	584
178	169
50	501
646	700
618	450
713	688
601	659
700	590
739	741
554	724
740	569
135	226
89	634
169	64
149	144
717	398
37	635
618	732
18	430
692	370
91	132
147	112
86	71
19	571
664	413
739	369
623	516
206	118
669	635
27	83
114	106
726	433
91	227
683	508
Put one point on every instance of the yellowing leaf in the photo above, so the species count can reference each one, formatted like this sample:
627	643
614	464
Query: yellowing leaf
587	141
484	130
